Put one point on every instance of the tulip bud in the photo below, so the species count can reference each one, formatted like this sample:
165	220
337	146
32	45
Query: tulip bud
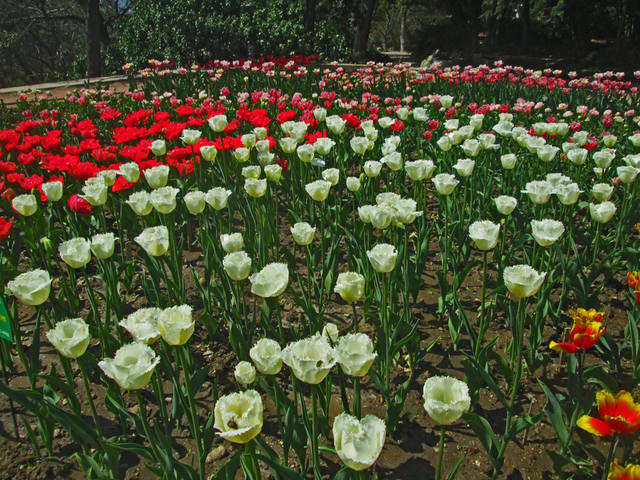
244	373
237	265
195	202
176	324
158	147
266	354
52	190
103	245
157	176
75	252
26	204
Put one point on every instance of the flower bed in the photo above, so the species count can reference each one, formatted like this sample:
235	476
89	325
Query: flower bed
288	258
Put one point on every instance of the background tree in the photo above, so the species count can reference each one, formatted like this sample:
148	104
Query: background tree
55	39
365	15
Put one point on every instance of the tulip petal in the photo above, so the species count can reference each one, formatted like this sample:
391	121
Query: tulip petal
594	426
563	347
606	403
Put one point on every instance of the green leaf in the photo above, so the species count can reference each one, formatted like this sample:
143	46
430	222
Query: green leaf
128	446
229	469
524	422
280	472
553	411
485	434
454	470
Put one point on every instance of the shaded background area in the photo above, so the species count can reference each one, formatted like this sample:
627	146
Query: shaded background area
43	40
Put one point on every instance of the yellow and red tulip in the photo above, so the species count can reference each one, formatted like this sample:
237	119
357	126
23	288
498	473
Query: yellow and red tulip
634	282
618	414
586	331
618	472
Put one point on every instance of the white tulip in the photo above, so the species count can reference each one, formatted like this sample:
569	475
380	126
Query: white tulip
266	355
237	265
602	212
157	176
383	257
238	416
164	199
358	443
271	281
31	288
310	359
140	203
75	252
355	354
70	337
103	245
176	324
26	204
484	234
445	399
546	232
132	365
522	280
154	240
143	325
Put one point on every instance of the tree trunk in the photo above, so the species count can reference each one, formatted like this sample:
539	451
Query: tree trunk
474	27
620	14
492	23
93	38
309	15
403	24
526	19
361	39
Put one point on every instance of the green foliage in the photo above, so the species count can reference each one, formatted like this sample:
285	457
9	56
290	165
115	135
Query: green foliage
197	31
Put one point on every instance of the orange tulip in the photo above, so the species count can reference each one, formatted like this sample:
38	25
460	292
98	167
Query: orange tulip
618	414
586	331
618	472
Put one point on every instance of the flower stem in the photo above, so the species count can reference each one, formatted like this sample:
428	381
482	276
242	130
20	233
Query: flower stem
6	381
355	318
145	425
72	397
356	397
387	336
192	414
443	434
251	461
517	365
87	389
315	454
596	244
96	316
607	465
482	322
159	393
